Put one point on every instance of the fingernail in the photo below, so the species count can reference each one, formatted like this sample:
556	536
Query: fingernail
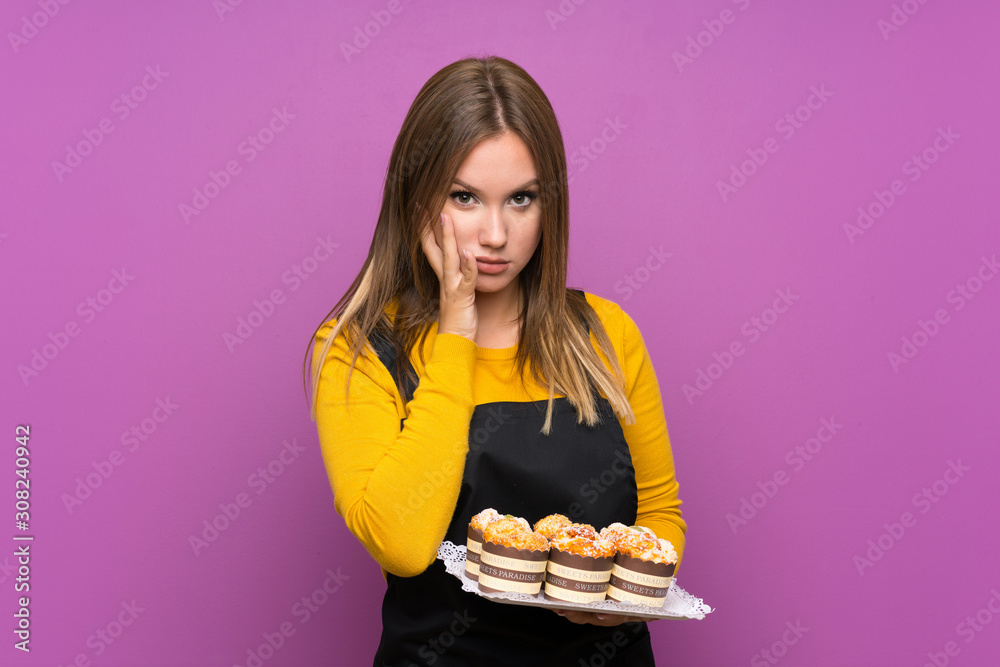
601	617
442	219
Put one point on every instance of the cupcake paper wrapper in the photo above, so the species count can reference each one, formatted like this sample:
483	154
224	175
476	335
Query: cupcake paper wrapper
509	569
473	548
573	578
642	582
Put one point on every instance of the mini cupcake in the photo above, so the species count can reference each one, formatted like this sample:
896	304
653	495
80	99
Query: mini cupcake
551	525
474	542
643	567
616	531
513	557
579	566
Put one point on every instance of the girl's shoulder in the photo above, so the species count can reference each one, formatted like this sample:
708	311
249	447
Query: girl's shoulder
339	348
612	315
328	327
623	331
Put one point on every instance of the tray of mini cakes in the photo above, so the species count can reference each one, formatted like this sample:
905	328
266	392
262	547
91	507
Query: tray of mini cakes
560	564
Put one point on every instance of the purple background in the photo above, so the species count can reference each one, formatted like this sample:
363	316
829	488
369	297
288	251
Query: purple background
654	185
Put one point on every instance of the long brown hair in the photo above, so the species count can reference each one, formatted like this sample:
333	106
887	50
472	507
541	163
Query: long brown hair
463	104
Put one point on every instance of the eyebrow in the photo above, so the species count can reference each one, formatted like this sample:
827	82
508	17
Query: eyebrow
476	191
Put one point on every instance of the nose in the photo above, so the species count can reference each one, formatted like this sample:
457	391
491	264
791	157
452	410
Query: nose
493	231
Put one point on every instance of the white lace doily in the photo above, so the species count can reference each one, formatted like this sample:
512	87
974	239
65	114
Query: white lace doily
678	604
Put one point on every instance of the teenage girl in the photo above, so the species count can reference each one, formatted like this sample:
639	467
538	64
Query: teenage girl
459	373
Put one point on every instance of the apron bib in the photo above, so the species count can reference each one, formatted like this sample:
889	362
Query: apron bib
582	472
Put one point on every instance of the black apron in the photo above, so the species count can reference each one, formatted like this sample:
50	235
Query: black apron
582	472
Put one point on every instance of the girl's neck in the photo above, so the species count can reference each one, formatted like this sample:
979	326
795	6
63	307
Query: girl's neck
498	311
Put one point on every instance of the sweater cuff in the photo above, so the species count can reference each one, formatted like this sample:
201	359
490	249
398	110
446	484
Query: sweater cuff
454	349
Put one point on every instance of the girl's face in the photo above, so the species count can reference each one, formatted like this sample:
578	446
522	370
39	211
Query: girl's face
494	208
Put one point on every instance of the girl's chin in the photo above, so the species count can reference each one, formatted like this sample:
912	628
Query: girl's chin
490	284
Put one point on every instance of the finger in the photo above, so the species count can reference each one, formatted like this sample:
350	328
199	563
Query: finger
569	615
469	267
449	247
470	273
617	619
582	618
432	250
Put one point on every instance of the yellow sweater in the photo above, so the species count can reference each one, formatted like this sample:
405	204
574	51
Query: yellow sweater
397	489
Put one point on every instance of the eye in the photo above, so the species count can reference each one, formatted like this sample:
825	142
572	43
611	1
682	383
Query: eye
463	197
523	199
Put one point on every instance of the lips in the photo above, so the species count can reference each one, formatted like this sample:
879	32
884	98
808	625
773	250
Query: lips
491	266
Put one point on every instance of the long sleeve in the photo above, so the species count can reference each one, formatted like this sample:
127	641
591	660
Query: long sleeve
396	489
649	444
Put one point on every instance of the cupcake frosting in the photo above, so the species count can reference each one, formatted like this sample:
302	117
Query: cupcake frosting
617	531
583	540
551	525
640	542
514	532
648	548
484	518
